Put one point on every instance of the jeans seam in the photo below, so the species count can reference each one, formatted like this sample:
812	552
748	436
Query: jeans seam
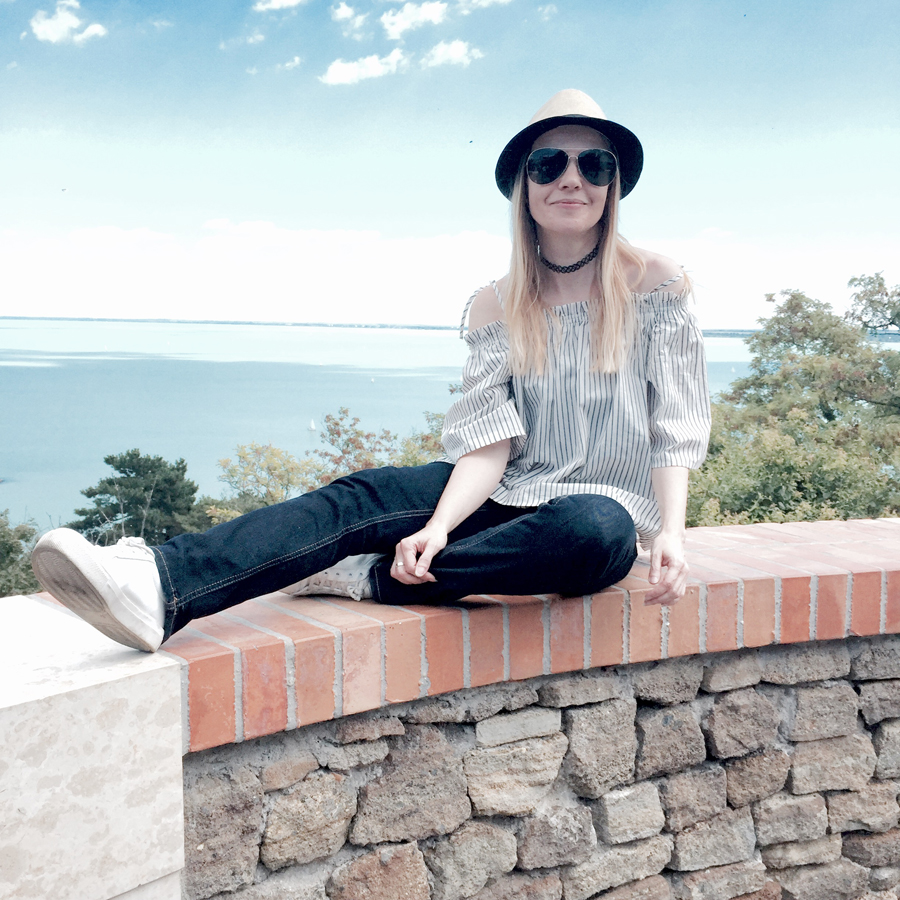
301	551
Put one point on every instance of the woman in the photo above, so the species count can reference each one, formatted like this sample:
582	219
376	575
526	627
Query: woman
585	402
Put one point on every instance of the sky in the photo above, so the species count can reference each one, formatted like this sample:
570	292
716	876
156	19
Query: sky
309	161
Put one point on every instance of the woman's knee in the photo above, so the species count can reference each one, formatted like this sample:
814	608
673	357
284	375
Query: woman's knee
589	520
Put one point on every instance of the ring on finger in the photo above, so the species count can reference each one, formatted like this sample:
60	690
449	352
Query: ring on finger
399	563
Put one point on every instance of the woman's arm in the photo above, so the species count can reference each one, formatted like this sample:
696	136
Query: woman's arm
670	484
474	478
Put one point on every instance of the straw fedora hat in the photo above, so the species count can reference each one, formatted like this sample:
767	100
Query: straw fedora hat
571	107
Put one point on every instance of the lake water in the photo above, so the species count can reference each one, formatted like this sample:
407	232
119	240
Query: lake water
73	391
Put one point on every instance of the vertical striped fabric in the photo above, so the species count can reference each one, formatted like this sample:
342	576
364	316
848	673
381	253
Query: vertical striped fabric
576	431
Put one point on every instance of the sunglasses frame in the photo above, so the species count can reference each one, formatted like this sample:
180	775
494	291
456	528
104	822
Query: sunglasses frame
570	157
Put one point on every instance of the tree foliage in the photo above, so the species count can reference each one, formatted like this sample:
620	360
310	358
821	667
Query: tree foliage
147	497
813	432
16	543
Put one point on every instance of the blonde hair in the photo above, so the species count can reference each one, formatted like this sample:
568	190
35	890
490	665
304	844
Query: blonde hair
611	309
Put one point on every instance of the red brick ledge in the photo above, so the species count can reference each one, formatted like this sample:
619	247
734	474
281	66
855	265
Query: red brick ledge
275	663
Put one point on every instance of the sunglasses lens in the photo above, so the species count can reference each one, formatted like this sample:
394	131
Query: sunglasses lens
597	166
545	166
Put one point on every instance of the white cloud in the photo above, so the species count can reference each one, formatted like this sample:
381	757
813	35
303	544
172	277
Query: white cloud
351	21
457	52
266	5
290	64
256	38
547	12
467	6
251	70
12	65
23	35
413	15
340	72
94	30
210	275
60	28
162	24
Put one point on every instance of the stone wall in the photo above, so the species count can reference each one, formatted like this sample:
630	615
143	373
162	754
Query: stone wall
753	774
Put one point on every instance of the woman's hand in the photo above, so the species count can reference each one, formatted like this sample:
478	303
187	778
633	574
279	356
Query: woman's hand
413	555
669	586
474	478
670	484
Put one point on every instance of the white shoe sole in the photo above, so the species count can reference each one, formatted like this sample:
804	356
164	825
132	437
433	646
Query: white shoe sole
65	565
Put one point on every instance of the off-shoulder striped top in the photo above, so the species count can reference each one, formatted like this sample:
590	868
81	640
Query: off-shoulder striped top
576	431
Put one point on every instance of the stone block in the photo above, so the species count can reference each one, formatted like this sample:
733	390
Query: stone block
740	722
879	700
692	796
629	814
843	763
351	756
367	727
802	853
580	689
874	808
840	880
463	863
730	671
510	780
883	878
506	728
824	711
602	746
886	739
874	849
800	663
727	838
669	740
517	886
878	895
771	890
875	658
667	681
471	704
556	836
420	793
309	822
653	888
609	867
754	777
223	822
282	773
385	874
784	817
720	882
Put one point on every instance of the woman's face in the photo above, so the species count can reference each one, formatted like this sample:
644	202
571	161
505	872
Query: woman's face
571	204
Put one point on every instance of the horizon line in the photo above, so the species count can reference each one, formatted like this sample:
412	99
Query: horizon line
710	332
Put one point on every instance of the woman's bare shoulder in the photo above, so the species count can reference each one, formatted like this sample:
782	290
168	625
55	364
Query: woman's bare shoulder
486	307
657	269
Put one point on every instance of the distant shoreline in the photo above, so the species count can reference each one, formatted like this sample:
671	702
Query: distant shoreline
708	332
885	337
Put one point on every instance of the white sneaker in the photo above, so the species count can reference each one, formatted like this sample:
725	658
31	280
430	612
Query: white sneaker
116	589
348	578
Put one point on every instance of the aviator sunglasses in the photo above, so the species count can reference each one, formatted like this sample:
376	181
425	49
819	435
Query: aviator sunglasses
596	166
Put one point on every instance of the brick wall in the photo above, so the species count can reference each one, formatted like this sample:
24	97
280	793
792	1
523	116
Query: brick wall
744	743
752	773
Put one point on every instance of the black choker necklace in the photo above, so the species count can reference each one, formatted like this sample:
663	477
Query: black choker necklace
565	270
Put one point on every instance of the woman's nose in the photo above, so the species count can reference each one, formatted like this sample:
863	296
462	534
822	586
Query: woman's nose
571	176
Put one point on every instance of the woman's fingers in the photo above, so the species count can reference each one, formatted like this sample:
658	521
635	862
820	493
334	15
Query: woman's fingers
413	556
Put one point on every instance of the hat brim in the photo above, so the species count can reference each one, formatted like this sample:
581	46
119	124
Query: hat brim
629	151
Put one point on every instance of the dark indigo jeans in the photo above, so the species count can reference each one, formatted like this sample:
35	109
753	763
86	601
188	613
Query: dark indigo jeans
571	545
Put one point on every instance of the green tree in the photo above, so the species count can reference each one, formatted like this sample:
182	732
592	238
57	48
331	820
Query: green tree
16	543
147	497
812	432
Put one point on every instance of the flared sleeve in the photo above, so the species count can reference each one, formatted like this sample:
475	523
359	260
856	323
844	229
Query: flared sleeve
677	390
485	413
